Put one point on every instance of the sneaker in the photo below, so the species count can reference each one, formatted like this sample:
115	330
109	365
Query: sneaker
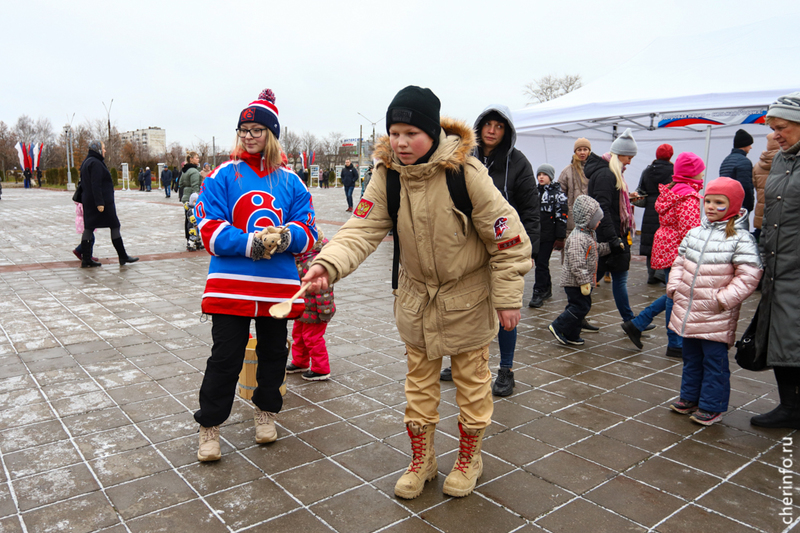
292	368
585	326
446	374
209	444
683	407
310	375
537	300
548	294
633	333
265	426
504	384
674	352
562	339
705	418
650	327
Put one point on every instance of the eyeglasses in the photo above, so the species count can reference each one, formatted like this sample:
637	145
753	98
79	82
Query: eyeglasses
255	133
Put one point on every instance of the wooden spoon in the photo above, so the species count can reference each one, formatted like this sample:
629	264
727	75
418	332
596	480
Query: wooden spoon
283	309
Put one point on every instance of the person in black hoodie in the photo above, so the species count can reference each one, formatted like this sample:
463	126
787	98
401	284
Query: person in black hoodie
99	210
608	187
658	172
513	175
553	208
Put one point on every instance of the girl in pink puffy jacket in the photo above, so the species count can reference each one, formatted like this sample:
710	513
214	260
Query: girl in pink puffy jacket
717	268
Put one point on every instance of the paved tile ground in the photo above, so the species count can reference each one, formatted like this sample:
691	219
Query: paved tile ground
100	368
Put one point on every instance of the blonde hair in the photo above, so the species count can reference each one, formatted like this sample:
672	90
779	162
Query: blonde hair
190	154
730	228
616	168
577	166
271	154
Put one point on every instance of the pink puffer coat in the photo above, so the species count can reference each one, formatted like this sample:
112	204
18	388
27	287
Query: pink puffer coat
710	279
678	211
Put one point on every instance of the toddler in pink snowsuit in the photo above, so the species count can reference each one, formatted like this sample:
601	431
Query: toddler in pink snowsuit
309	353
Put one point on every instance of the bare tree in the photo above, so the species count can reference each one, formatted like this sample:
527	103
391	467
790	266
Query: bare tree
8	154
290	141
551	87
25	129
332	146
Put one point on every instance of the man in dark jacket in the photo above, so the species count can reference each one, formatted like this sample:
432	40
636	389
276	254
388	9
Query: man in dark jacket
166	181
349	178
140	177
739	167
513	176
148	179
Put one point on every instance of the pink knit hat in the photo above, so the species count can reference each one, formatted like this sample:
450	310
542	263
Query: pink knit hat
688	165
732	190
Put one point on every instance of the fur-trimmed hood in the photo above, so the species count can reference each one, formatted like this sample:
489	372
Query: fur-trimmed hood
456	142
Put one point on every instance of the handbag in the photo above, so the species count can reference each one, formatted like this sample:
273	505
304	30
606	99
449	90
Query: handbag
78	194
747	356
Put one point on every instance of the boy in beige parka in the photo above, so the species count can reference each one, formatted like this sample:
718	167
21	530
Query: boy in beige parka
459	276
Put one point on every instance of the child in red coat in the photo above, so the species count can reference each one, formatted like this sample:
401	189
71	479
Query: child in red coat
309	353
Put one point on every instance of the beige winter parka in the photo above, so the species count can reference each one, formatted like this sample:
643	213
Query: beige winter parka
454	273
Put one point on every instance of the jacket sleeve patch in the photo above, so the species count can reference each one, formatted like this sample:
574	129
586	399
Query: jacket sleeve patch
505	245
500	227
363	208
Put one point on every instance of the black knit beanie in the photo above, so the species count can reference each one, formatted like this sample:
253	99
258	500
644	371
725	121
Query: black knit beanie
742	139
418	107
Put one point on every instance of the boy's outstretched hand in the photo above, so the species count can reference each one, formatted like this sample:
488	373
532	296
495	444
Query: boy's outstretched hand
317	276
509	318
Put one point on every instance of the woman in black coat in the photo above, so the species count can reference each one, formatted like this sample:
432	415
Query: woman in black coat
658	172
608	187
99	210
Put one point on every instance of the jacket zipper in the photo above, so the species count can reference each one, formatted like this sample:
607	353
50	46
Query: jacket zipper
694	279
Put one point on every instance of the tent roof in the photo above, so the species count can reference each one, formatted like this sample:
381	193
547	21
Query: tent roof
735	68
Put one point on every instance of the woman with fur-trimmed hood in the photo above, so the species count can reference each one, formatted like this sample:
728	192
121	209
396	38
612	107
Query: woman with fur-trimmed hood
458	275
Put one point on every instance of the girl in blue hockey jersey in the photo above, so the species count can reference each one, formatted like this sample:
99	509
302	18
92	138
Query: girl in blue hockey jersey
253	215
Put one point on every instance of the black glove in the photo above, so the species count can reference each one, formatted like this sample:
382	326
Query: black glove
618	246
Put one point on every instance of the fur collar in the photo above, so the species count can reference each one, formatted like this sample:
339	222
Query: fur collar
456	142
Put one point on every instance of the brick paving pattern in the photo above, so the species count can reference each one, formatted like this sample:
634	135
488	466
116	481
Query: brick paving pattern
100	369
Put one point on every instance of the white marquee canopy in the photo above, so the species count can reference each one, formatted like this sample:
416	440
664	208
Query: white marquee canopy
671	92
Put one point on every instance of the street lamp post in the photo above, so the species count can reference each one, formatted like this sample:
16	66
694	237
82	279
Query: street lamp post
108	117
68	147
373	127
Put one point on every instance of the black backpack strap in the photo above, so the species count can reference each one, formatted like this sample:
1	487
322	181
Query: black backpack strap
457	185
393	204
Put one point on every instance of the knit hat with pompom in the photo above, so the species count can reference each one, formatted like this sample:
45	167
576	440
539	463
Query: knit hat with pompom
262	111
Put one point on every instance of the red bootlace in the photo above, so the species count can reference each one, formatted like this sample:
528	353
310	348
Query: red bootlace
466	448
417	450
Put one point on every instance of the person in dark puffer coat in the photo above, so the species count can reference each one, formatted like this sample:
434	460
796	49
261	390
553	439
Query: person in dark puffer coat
659	172
737	166
99	210
607	185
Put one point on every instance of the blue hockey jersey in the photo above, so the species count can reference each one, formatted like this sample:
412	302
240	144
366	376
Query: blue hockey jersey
236	201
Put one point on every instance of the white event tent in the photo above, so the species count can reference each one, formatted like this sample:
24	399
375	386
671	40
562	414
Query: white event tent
692	92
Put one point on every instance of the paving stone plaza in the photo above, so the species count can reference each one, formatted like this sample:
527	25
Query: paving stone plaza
100	370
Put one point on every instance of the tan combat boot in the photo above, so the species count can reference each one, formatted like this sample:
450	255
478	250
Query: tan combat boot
423	462
209	444
469	465
265	426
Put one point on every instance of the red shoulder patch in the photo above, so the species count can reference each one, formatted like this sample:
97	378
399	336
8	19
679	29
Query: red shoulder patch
363	208
505	245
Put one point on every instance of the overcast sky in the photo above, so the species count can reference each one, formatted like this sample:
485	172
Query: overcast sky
191	67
